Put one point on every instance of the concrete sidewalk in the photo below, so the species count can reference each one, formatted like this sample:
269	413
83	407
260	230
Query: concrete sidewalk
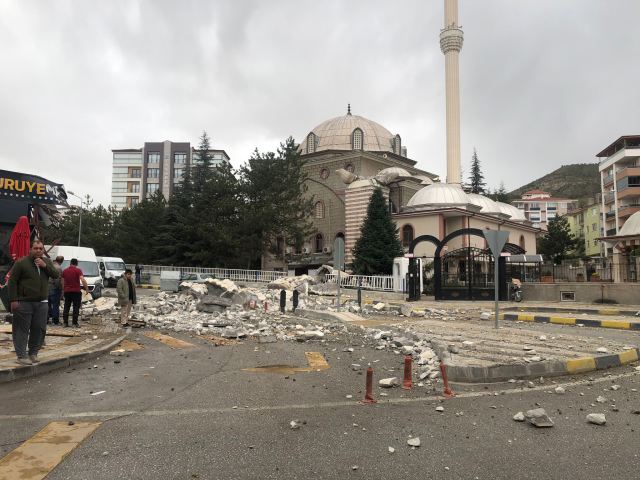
64	347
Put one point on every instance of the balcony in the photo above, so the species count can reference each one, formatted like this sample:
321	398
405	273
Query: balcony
628	171
610	215
607	180
631	191
629	153
609	198
534	209
628	210
611	233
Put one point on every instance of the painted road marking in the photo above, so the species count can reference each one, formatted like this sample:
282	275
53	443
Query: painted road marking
315	359
130	346
39	455
167	340
309	406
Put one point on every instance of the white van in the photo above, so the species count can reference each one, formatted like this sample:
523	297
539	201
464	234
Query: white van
86	262
111	269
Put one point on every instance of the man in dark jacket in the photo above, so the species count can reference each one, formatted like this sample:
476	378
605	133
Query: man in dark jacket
28	294
126	296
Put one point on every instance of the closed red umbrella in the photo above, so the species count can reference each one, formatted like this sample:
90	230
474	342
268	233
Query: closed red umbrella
19	243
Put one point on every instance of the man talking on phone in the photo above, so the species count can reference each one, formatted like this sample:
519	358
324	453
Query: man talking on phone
29	294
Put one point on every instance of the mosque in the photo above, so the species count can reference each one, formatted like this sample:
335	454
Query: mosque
348	157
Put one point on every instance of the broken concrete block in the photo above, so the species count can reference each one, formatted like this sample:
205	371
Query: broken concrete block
538	417
519	417
388	382
379	306
406	309
117	353
596	418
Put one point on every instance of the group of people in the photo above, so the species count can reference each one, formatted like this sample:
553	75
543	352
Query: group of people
36	285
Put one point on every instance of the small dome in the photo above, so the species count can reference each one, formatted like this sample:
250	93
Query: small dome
631	226
424	180
439	194
512	211
488	205
335	134
400	171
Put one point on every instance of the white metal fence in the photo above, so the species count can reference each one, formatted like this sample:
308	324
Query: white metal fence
237	275
369	282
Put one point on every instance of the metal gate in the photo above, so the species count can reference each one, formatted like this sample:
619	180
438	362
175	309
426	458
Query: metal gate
467	274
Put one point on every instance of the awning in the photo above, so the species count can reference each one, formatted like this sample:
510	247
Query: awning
524	259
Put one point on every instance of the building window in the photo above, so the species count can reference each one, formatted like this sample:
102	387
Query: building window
180	158
357	139
594	227
535	217
595	242
588	244
551	206
407	236
350	168
134	202
550	216
135	173
587	227
152	187
522	241
340	235
397	148
536	225
319	243
135	188
324	173
119	187
311	143
593	212
153	158
534	206
319	210
153	173
177	173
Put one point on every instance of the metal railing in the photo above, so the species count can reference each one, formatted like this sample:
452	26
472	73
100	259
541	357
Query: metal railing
611	232
610	214
607	180
369	282
609	196
237	275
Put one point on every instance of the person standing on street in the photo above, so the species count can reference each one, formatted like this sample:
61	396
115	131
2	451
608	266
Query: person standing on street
28	294
138	272
71	277
55	293
126	297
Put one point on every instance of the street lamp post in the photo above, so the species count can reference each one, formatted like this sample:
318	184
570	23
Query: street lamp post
80	227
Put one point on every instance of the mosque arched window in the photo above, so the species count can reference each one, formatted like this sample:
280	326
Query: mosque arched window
522	242
357	139
397	145
407	236
311	143
319	210
319	243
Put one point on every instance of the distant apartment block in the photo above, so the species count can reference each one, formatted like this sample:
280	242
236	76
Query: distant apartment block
158	166
540	207
620	183
586	225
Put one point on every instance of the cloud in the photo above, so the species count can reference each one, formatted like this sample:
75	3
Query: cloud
542	84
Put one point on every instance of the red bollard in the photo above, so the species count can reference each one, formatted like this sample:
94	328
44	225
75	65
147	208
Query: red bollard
248	304
407	374
265	306
255	304
333	301
447	391
368	398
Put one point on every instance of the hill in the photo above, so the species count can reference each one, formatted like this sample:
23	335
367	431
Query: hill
578	181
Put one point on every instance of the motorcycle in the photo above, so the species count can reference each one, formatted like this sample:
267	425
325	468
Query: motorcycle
515	290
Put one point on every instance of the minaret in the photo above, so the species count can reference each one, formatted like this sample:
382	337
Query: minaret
451	44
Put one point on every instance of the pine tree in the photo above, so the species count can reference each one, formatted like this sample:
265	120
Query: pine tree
476	179
203	160
500	194
379	242
558	240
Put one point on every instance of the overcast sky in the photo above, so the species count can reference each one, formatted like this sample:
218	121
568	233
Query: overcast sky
543	83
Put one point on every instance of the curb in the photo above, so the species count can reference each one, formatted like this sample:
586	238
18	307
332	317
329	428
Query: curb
604	311
17	373
587	322
458	372
149	287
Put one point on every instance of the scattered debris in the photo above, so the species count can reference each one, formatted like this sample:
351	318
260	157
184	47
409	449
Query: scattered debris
388	382
295	424
538	417
414	442
519	417
596	418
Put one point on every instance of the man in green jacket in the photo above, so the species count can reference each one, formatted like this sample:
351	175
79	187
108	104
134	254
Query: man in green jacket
126	296
29	294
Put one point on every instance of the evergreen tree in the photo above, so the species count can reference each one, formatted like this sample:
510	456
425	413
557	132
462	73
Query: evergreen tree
203	160
379	242
558	240
138	226
476	179
500	194
275	200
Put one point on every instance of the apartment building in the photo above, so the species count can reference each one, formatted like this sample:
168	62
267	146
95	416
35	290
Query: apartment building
158	166
620	182
540	207
586	224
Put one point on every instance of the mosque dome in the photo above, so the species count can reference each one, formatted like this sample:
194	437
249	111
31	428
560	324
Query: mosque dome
400	171
487	205
439	194
351	132
631	226
512	211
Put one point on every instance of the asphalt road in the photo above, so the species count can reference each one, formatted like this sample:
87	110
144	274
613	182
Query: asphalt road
180	413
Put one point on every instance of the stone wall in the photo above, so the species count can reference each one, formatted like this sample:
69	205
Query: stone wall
587	292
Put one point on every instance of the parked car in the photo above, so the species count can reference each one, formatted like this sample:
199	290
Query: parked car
111	269
87	262
196	277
